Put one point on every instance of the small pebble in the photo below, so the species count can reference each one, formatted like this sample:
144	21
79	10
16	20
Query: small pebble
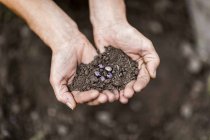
117	67
117	83
107	81
84	87
104	57
108	68
86	72
133	78
107	58
133	64
120	74
124	73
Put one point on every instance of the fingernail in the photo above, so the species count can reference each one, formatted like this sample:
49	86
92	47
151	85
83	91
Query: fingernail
70	105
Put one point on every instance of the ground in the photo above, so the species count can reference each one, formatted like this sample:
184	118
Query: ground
175	106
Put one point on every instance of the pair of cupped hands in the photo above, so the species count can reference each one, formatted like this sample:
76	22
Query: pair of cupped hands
71	48
79	50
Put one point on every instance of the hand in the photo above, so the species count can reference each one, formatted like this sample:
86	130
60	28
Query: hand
111	28
64	64
134	44
69	46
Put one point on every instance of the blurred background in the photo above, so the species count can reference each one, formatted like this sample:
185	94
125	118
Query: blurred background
175	106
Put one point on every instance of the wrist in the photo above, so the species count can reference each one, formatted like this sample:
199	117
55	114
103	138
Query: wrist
58	38
107	13
106	22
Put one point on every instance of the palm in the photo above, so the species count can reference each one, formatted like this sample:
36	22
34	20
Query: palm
135	45
63	69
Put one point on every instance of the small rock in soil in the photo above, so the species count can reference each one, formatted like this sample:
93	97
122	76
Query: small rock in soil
110	70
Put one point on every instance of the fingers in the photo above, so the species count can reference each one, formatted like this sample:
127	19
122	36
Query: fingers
117	94
83	97
105	96
102	98
142	79
150	57
63	95
129	91
111	97
123	99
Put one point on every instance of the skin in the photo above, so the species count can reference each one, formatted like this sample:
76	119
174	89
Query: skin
70	47
112	28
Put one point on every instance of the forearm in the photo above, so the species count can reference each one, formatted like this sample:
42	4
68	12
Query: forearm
46	19
107	12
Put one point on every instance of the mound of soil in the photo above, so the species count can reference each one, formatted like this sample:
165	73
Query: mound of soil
110	70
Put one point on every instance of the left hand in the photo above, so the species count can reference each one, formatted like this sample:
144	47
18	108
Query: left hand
134	44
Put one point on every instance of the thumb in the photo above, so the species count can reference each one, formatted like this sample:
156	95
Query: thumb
89	52
151	58
62	93
100	43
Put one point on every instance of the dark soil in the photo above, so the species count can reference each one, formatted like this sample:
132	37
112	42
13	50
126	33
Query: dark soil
110	70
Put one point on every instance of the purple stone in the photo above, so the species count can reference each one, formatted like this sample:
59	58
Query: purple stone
102	78
109	75
101	66
97	73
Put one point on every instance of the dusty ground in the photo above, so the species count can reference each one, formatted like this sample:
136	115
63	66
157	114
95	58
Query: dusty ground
174	106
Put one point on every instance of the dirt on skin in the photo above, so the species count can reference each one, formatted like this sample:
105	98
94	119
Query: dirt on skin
110	70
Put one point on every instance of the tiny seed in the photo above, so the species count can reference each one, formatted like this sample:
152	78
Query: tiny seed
97	73
108	68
